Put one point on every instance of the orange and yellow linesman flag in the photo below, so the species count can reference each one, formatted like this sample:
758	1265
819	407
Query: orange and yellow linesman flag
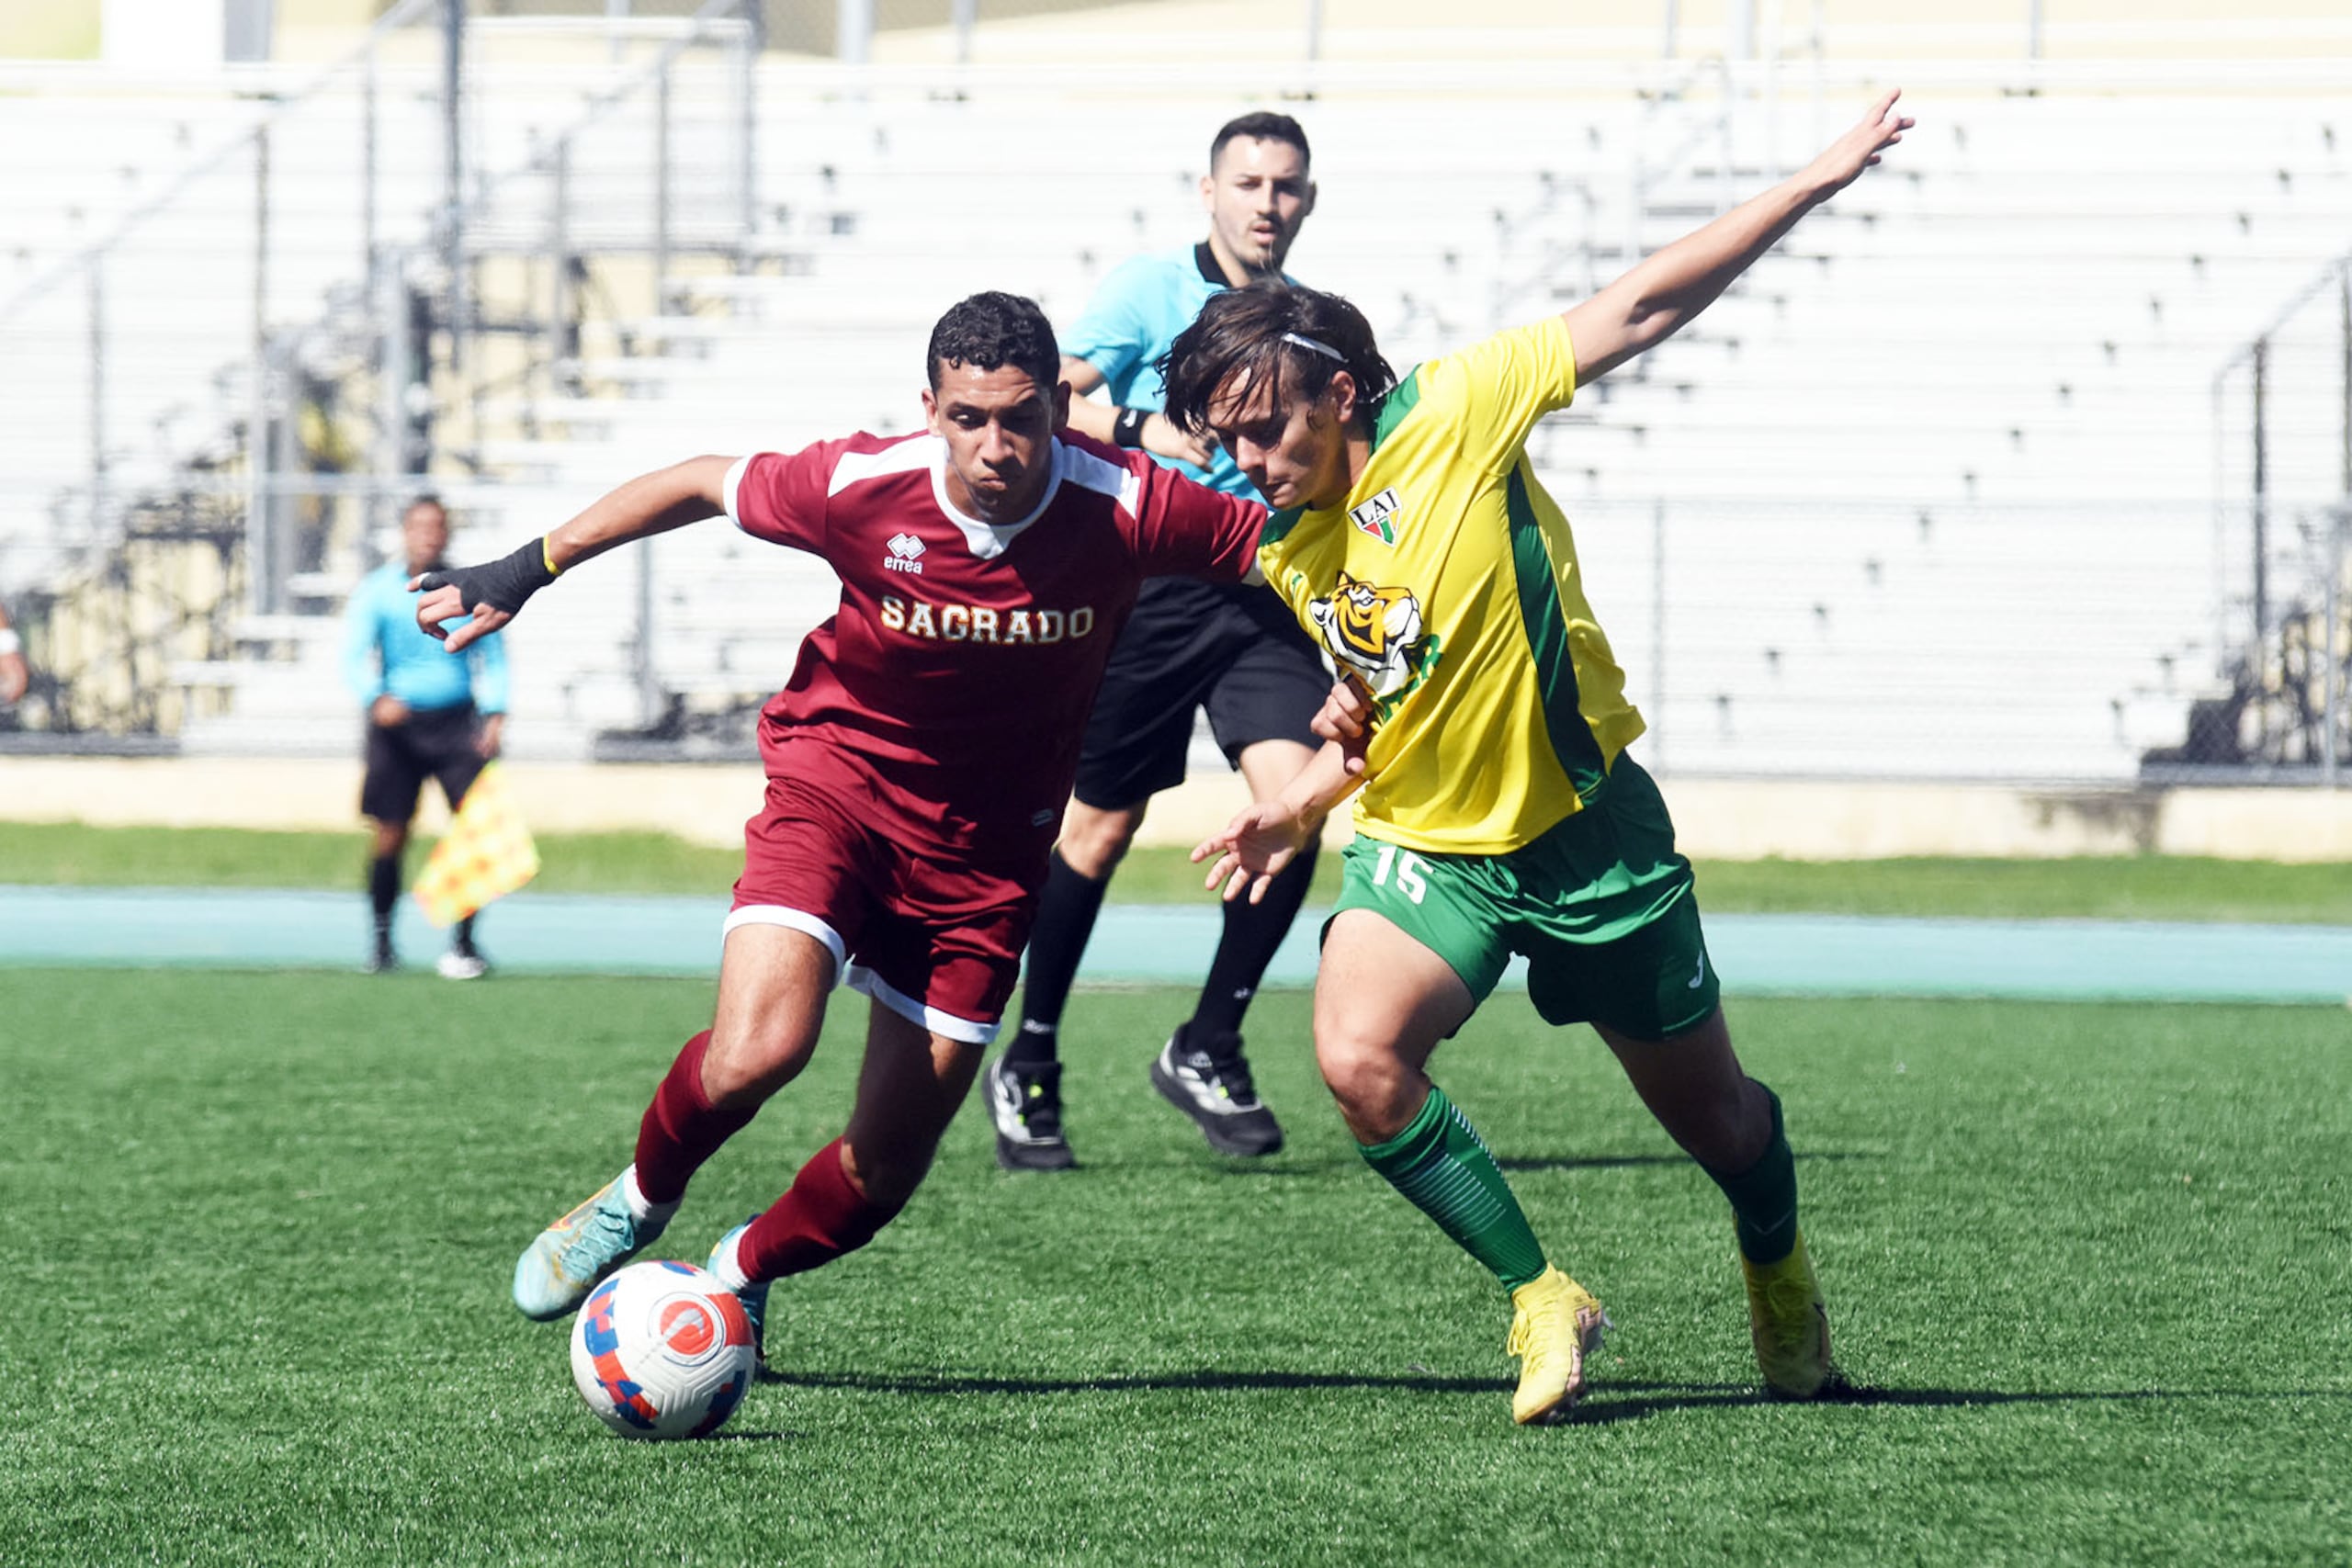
486	854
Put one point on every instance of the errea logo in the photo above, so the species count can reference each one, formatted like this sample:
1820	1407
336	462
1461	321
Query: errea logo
906	554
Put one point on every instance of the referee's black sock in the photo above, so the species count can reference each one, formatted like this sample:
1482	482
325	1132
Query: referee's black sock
1252	933
384	890
1066	912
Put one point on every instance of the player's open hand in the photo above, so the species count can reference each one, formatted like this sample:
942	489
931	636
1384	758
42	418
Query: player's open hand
1346	717
1252	850
1842	162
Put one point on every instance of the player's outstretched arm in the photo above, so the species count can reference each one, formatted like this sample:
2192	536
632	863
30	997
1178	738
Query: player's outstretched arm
494	592
1652	299
1252	849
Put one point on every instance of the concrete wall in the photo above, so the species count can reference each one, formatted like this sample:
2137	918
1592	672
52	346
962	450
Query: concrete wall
1717	818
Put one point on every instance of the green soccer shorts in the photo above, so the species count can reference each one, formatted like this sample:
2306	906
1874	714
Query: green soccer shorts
1601	904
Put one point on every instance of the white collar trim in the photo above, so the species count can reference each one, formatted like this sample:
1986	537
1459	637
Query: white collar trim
988	540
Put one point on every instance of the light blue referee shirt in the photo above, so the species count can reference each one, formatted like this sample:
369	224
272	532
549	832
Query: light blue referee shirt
1131	322
385	651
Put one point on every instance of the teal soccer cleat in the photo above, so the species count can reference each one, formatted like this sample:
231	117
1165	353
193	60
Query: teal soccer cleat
755	1296
557	1272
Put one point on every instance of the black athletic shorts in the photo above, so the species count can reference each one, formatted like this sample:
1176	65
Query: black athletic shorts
1232	651
433	743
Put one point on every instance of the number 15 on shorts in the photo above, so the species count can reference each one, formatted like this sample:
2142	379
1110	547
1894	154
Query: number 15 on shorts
1408	868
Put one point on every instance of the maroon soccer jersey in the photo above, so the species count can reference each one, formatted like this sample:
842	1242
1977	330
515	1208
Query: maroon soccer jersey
948	694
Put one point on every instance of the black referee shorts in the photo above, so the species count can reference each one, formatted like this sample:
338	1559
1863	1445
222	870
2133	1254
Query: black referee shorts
433	743
1231	650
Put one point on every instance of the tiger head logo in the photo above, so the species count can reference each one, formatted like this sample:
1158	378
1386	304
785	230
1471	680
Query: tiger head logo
1373	633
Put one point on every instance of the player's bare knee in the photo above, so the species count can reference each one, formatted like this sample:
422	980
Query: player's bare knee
746	1064
1095	841
1369	1080
1267	766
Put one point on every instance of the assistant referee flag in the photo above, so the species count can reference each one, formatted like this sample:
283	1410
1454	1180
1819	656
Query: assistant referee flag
486	854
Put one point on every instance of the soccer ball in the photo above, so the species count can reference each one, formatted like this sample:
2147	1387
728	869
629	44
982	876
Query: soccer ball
662	1350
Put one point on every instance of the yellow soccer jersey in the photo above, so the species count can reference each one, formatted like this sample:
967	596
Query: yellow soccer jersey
1447	581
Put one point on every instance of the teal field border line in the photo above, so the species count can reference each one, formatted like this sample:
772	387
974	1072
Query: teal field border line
1825	955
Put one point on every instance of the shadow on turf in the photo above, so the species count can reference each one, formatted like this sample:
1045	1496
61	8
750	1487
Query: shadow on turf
1635	1401
1169	1383
1607	1402
1619	1162
1294	1166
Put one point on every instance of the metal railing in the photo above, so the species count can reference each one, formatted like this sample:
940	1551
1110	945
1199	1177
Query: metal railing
107	273
2282	495
354	213
661	227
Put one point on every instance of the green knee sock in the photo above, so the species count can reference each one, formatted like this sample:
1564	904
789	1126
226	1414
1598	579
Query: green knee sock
1443	1169
1764	1197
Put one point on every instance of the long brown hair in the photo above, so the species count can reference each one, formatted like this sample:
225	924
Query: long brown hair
1298	338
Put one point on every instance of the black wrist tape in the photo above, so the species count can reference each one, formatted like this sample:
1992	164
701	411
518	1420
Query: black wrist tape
501	584
1127	429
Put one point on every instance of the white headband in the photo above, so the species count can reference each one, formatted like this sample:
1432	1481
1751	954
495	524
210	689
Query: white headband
1325	349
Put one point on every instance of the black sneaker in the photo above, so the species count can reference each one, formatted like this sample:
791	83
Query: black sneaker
1216	1094
1025	1103
381	959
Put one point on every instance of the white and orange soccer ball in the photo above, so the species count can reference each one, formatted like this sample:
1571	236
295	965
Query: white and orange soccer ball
662	1350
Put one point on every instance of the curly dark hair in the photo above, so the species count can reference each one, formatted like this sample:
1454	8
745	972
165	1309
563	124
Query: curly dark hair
991	329
1278	331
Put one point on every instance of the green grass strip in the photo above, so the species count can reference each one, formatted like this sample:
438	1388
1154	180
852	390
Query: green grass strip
2145	888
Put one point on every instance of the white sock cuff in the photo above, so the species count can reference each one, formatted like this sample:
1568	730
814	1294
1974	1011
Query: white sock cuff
640	1207
727	1262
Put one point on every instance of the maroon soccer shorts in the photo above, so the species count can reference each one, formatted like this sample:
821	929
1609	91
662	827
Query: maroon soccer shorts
931	939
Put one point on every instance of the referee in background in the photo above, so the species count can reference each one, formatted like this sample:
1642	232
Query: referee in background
1232	653
428	715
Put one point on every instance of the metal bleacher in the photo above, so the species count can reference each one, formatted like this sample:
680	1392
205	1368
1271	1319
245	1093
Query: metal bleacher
1930	493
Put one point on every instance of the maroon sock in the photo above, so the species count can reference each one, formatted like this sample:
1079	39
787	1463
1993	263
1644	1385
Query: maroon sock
682	1128
817	1219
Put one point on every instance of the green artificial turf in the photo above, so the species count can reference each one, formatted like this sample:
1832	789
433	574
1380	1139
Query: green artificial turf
49	854
2122	888
2090	1262
2156	887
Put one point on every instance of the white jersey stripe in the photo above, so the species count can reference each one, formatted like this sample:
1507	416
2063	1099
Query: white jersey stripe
913	453
733	488
1087	471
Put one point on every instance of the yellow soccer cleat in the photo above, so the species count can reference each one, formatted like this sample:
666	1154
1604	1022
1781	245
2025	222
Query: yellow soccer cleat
1789	1324
1556	1323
